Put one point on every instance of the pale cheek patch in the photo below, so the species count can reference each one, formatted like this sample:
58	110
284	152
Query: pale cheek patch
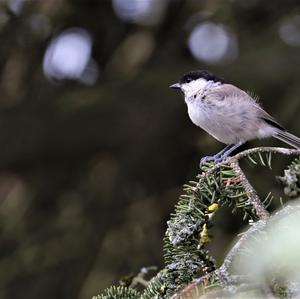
194	86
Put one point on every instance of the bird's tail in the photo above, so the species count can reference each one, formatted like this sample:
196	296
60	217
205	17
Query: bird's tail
288	138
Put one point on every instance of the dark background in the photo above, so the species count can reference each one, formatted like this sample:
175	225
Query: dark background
94	146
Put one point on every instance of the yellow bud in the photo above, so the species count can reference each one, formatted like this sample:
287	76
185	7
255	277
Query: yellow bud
204	235
213	208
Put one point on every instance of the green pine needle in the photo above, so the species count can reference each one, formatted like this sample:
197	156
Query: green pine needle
184	250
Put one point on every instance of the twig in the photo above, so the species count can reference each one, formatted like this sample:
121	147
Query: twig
140	277
257	226
233	162
274	150
255	201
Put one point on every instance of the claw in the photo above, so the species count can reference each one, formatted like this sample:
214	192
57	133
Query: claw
215	158
222	155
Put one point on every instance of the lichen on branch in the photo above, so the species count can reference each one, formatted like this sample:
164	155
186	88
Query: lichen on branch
188	264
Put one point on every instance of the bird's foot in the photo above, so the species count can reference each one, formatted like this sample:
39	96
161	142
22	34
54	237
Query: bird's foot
215	158
222	155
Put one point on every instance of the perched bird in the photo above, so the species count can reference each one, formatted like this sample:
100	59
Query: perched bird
228	113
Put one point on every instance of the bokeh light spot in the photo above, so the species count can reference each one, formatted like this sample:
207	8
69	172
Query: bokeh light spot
212	43
289	31
68	56
147	12
16	6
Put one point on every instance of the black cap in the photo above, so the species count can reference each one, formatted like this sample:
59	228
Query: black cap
194	75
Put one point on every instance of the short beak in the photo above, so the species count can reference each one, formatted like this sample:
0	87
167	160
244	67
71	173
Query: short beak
175	86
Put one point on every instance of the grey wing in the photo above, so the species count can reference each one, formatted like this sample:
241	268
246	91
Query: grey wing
269	119
242	95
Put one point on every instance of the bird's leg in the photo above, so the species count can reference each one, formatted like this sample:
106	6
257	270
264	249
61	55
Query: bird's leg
222	155
226	153
216	156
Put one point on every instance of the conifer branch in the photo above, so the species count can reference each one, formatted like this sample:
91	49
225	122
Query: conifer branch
274	150
249	152
188	265
255	201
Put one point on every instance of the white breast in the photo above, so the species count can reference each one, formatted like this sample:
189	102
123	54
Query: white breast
198	114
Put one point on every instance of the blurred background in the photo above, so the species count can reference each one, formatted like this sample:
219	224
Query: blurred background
95	147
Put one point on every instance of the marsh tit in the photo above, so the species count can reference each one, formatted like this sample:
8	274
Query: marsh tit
228	113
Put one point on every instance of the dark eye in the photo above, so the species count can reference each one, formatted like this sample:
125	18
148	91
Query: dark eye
188	80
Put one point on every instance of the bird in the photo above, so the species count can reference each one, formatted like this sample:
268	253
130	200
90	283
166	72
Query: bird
228	113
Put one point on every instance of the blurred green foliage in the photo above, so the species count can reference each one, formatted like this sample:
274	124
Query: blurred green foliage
90	172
